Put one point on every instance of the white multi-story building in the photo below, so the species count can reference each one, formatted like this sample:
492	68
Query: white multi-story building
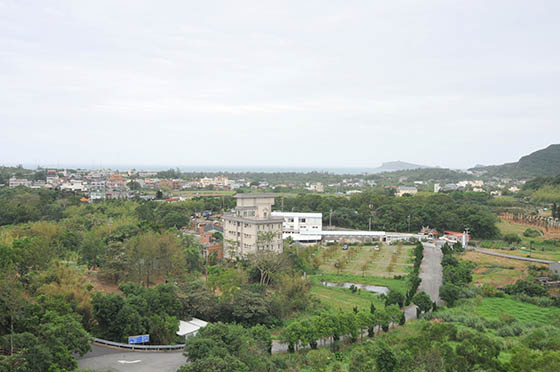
251	227
297	223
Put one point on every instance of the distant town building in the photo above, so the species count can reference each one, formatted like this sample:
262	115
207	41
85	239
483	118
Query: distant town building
437	187
450	187
350	192
96	194
15	182
209	241
429	232
296	223
115	182
316	186
406	190
456	237
251	227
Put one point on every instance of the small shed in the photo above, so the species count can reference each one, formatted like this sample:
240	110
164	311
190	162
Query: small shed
191	327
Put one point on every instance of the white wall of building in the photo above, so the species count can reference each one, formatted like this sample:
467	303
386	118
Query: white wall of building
295	223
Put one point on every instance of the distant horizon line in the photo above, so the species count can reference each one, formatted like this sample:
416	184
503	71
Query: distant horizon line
224	168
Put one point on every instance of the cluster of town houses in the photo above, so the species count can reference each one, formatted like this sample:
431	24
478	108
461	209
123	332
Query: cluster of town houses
108	184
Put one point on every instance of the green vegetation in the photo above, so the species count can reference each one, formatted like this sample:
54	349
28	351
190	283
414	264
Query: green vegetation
492	308
229	347
70	271
440	211
343	299
543	162
368	260
391	283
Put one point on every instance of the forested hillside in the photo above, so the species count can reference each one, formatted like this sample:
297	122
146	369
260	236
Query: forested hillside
545	162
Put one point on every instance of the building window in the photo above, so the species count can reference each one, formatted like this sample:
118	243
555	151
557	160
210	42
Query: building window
302	220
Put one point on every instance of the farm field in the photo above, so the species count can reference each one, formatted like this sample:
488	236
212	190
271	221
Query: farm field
365	260
507	227
496	271
343	299
492	307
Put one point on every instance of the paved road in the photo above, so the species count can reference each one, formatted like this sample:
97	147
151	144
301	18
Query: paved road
512	256
431	272
103	358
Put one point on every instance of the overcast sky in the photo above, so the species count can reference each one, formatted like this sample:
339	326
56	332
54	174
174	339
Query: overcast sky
277	83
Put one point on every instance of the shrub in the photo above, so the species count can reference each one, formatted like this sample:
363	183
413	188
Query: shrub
531	233
512	238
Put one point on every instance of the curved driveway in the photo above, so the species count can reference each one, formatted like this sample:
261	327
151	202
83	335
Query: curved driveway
103	358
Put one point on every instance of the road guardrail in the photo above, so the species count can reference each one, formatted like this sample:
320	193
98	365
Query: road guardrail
138	347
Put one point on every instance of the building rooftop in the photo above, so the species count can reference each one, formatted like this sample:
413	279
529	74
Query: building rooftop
296	214
191	326
253	220
254	196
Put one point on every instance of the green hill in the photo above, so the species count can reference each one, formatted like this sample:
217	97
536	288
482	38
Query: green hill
545	162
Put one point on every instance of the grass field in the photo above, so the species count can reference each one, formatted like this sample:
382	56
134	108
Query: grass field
343	299
506	227
394	284
542	248
496	271
492	307
366	261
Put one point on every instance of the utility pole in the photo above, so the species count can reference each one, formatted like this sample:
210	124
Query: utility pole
409	223
330	218
282	203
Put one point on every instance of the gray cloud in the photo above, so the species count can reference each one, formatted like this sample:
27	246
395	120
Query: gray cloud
319	83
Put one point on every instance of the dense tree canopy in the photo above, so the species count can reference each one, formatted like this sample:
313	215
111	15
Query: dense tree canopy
441	211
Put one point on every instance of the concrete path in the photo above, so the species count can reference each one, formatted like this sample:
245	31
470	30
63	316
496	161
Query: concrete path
479	250
431	272
103	358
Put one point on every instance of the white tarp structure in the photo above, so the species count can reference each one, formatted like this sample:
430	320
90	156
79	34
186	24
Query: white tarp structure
191	327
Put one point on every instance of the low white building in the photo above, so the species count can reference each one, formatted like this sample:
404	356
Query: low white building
297	223
190	328
404	190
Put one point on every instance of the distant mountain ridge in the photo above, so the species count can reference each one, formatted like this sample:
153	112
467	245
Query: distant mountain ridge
392	166
544	162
